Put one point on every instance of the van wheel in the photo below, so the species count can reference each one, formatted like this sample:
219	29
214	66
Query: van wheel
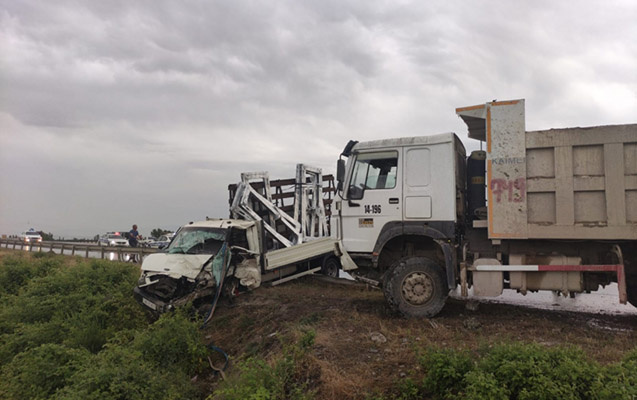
416	287
331	267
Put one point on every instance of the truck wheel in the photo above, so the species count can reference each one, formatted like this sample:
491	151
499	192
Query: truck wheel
415	287
331	267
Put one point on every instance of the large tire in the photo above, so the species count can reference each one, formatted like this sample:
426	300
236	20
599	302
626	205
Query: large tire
331	267
416	287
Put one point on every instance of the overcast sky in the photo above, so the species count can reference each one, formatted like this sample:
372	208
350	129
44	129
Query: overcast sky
121	112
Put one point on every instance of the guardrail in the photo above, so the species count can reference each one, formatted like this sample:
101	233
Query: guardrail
119	253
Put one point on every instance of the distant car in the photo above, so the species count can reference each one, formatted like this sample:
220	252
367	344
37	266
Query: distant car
31	236
163	241
112	239
146	242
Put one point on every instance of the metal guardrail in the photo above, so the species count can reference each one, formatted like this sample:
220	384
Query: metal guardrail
123	253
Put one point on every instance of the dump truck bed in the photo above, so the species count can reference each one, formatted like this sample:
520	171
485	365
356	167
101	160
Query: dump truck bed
572	183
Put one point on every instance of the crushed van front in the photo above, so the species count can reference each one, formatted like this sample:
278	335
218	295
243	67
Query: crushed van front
186	271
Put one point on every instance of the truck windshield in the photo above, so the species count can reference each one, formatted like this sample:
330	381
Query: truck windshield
197	240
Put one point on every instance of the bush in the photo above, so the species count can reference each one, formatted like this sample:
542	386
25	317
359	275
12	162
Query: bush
82	306
18	270
39	372
173	342
77	333
122	372
618	381
526	371
446	370
255	379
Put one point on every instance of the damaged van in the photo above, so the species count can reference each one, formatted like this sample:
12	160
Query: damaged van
224	255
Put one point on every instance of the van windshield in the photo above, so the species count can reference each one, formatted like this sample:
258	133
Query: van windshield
197	240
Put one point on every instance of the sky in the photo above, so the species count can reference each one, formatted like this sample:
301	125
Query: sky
121	112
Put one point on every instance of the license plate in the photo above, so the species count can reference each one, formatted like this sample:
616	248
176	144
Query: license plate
149	304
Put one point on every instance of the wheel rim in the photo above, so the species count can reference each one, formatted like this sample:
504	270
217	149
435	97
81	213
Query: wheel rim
417	288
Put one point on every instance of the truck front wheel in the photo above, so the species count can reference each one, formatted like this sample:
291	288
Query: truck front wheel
415	287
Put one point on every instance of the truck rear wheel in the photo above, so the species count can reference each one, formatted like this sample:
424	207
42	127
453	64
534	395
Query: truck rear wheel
415	287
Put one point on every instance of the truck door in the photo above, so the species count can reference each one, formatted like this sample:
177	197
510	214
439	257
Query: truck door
417	203
373	198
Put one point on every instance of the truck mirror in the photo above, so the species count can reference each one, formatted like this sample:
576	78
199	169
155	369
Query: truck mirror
355	192
340	170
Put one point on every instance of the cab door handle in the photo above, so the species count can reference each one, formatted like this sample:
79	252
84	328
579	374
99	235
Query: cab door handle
393	200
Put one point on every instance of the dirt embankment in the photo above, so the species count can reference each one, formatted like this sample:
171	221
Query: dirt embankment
361	348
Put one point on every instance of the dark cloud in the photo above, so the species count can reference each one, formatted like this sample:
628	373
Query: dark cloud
119	111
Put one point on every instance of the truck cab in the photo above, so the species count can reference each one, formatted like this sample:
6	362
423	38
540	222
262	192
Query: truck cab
403	198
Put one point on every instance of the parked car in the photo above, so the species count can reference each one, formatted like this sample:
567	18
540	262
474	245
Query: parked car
31	236
112	239
163	241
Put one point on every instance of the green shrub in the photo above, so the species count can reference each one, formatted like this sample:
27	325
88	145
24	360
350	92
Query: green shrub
79	306
446	369
525	372
122	372
18	270
308	338
531	371
75	332
37	373
482	385
408	390
618	381
255	379
174	341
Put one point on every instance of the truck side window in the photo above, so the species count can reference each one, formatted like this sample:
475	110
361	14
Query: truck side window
375	170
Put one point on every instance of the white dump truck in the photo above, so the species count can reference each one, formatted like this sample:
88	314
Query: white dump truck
544	210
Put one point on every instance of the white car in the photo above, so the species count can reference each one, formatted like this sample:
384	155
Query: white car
162	242
31	236
113	239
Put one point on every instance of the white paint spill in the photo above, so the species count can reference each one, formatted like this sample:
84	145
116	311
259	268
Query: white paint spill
603	301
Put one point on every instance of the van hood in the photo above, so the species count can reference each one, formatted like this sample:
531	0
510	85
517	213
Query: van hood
175	265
